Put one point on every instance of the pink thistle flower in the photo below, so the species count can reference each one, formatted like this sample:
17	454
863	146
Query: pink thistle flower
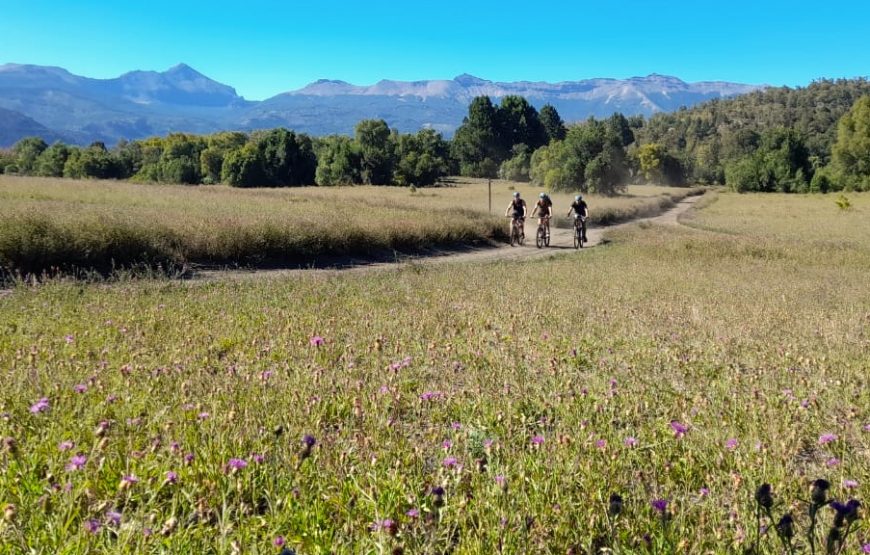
866	428
128	480
188	458
431	395
237	464
113	518
278	541
171	477
501	481
601	444
679	428
76	462
456	426
850	484
630	442
488	443
69	339
316	341
832	462
660	505
203	416
825	439
40	406
450	462
731	444
537	440
446	444
865	548
704	492
258	458
413	513
80	388
92	526
65	445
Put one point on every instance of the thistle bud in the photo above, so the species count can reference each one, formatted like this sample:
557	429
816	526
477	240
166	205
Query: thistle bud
10	512
615	507
764	496
785	526
819	492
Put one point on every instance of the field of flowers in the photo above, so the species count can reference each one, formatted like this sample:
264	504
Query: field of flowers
677	391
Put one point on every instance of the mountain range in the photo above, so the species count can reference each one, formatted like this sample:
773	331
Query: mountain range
53	103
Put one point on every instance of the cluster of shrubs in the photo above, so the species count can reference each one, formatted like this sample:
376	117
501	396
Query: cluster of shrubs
275	158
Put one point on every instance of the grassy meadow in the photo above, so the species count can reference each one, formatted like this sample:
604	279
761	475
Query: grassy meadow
54	223
481	408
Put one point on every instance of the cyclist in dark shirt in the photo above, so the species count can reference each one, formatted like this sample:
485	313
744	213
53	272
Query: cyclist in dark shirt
517	211
580	210
544	209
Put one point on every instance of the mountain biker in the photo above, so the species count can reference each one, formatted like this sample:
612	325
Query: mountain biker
517	211
544	209
581	211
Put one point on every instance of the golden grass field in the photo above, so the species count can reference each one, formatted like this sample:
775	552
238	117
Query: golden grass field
47	223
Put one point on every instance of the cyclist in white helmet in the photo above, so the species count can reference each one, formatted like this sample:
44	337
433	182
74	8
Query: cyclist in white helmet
544	209
580	210
517	211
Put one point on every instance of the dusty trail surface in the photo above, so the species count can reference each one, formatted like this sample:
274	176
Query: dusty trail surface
561	241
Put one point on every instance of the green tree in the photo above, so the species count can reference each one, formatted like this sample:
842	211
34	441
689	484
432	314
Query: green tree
243	167
421	158
376	147
518	123
476	144
338	161
851	152
26	151
516	168
52	160
552	122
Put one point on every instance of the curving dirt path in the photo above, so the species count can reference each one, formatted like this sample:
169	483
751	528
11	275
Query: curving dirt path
561	241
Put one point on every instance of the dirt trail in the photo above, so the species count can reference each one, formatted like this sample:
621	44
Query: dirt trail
561	241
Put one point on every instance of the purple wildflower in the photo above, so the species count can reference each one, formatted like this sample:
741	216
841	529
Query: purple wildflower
438	491
237	464
412	513
203	416
65	445
92	526
316	341
832	462
660	505
630	441
76	462
537	440
171	477
850	484
704	492
278	541
113	518
128	480
679	428
449	462
731	444
80	388
865	548
501	480
188	458
456	425
69	339
40	406
824	439
601	444
308	440
446	444
430	395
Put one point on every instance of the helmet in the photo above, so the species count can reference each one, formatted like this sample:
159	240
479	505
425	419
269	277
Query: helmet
516	194
543	195
578	198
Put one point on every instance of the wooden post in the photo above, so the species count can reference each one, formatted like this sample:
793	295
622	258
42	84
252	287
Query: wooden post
489	187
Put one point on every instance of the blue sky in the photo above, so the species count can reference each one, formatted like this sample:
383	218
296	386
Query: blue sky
264	47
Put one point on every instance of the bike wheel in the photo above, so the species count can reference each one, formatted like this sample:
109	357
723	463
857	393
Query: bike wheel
577	239
540	238
515	236
547	240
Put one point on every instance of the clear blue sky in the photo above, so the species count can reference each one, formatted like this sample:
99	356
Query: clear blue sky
266	47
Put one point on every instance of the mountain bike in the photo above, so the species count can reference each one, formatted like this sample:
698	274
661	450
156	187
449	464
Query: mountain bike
543	238
578	232
518	236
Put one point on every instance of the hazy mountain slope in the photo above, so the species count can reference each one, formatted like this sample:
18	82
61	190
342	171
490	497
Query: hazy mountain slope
143	103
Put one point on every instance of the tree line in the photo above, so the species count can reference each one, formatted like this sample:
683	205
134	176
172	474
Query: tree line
779	139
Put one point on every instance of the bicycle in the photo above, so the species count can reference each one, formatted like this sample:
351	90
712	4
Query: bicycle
543	238
578	232
518	236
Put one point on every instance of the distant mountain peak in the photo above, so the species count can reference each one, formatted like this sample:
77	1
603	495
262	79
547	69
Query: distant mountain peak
468	80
